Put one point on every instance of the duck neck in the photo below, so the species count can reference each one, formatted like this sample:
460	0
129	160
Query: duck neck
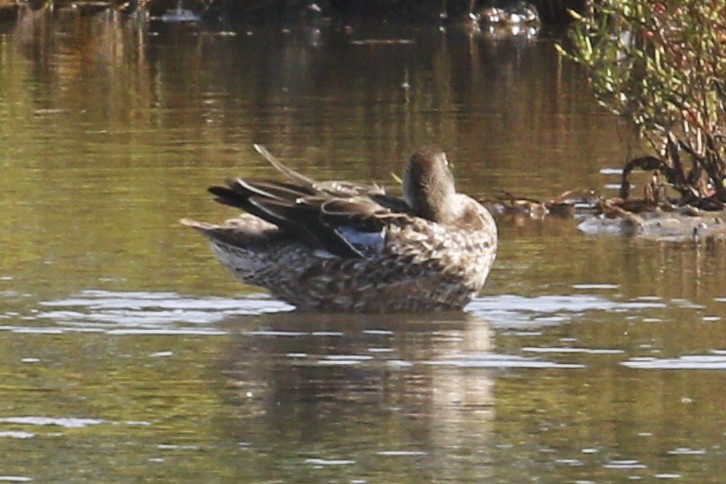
430	200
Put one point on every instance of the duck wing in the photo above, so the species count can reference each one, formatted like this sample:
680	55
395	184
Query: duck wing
343	226
274	202
361	221
343	218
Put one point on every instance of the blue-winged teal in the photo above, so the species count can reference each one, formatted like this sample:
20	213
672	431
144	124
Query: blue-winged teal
339	246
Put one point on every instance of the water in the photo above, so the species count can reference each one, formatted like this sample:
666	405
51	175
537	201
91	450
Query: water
128	354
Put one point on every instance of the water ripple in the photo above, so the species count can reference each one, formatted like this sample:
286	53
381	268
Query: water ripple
687	362
509	310
16	435
624	464
498	361
329	462
138	312
123	313
686	451
400	453
589	351
66	422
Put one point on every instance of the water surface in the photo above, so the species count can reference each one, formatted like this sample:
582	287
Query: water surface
128	353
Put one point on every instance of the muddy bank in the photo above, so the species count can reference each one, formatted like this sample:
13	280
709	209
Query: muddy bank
595	215
687	224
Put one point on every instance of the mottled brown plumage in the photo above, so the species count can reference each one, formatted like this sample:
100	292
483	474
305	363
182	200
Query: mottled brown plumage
340	246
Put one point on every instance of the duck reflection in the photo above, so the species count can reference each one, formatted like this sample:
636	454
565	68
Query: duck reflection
324	383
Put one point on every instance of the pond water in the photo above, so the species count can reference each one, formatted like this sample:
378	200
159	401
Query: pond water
128	354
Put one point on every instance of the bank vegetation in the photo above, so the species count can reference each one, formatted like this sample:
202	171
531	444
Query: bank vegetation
662	67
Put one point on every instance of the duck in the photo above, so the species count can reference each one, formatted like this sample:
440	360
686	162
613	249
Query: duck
351	247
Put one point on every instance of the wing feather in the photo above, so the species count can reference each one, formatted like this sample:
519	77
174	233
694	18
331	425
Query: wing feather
344	219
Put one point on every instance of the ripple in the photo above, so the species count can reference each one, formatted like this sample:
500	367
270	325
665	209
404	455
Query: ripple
136	300
400	453
16	435
177	447
589	351
686	451
330	462
624	464
135	312
337	362
165	332
170	313
498	361
331	360
611	171
271	332
595	286
688	362
510	310
69	423
161	354
349	357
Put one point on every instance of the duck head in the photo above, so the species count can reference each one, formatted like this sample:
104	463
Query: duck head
428	185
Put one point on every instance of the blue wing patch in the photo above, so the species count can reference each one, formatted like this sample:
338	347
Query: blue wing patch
369	244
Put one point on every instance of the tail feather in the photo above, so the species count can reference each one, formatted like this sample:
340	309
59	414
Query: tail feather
294	176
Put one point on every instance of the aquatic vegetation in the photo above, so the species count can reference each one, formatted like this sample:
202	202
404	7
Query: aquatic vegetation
662	66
